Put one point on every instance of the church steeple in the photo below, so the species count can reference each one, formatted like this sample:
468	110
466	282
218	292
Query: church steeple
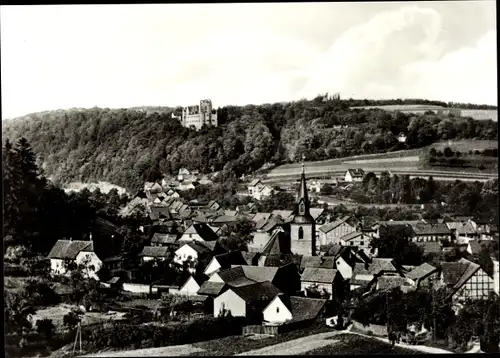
302	201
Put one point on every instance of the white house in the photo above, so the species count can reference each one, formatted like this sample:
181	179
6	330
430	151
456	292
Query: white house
154	253
402	138
354	175
277	312
76	252
331	233
191	251
258	190
190	287
224	261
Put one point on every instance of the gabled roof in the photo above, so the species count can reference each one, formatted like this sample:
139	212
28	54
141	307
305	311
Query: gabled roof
330	226
421	271
225	219
471	270
261	216
259	273
163	238
155	251
69	249
304	308
277	260
477	245
389	282
279	243
452	272
352	236
230	258
356	173
229	213
320	275
326	262
375	267
465	228
283	213
254	182
231	274
211	288
272	223
258	294
202	229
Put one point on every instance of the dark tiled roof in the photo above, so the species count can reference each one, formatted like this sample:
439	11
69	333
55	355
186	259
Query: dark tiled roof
260	274
260	216
272	223
231	274
225	219
375	267
462	228
283	213
475	246
304	309
330	226
277	244
431	229
471	269
258	294
163	238
69	249
281	260
421	271
351	235
230	258
211	288
388	282
321	275
326	262
356	173
205	232
200	247
452	271
430	246
155	251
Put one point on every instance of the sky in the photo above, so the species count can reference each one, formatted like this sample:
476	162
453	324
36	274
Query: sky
57	57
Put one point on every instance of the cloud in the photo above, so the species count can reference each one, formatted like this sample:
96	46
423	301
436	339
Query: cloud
131	55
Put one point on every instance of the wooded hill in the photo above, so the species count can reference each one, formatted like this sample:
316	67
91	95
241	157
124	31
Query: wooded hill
128	146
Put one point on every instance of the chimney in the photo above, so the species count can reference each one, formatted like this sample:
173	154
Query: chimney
90	236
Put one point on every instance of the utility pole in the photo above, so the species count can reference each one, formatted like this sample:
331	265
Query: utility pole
433	313
78	335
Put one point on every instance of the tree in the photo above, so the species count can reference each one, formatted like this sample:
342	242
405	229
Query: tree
46	328
18	312
394	243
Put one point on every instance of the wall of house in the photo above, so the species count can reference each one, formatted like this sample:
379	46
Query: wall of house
57	267
191	287
344	269
277	312
326	286
496	276
302	246
215	278
138	288
189	237
212	267
333	236
230	301
478	286
434	238
362	242
260	239
183	253
93	266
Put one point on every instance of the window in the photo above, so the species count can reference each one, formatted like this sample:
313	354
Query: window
352	243
277	310
301	233
361	243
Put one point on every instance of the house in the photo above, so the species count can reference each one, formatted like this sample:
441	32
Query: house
315	186
358	239
318	215
113	264
286	278
254	187
320	280
332	232
278	244
354	175
190	287
77	252
365	273
246	301
155	253
193	251
159	239
224	261
344	259
183	172
423	275
159	213
466	279
264	230
278	260
213	205
292	309
224	220
431	232
484	228
474	246
327	262
153	190
463	231
187	186
198	232
389	282
402	138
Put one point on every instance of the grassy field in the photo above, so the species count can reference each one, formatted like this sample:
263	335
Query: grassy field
466	145
354	344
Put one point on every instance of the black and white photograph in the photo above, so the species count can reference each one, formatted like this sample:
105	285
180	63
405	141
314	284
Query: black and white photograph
266	178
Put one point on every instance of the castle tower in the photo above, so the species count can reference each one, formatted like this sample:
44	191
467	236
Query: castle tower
303	227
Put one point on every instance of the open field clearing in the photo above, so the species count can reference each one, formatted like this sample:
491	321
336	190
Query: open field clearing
56	314
171	351
414	158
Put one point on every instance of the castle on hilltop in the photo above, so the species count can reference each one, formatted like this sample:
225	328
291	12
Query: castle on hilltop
198	115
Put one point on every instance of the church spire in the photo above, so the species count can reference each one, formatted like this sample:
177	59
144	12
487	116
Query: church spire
302	197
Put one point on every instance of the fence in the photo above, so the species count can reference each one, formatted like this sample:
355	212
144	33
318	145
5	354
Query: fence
259	329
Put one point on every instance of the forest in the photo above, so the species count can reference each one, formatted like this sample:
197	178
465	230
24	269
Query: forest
127	147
